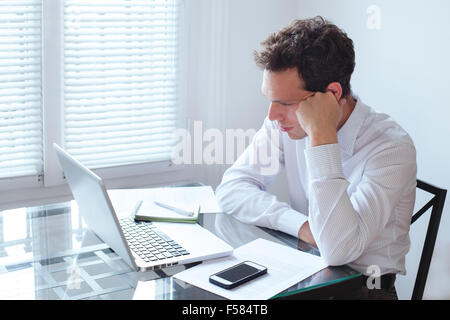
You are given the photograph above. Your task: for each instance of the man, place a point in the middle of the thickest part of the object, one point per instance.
(351, 172)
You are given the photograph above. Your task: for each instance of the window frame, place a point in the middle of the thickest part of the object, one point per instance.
(50, 186)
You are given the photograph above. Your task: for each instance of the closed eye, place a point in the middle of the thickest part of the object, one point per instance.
(287, 104)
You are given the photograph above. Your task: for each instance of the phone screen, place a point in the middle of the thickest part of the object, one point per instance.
(238, 272)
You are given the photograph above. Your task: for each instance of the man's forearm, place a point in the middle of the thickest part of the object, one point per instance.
(246, 202)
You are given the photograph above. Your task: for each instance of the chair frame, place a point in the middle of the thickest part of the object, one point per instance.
(437, 204)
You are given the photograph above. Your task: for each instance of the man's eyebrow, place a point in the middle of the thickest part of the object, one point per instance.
(294, 101)
(285, 101)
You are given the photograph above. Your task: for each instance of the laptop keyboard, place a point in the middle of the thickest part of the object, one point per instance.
(149, 243)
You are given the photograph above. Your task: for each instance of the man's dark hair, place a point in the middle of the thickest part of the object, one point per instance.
(320, 50)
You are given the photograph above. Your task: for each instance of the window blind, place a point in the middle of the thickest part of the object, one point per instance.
(20, 88)
(120, 80)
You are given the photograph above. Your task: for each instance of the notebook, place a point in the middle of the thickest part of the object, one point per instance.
(162, 204)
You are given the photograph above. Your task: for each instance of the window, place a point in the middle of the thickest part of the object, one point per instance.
(101, 78)
(120, 80)
(20, 89)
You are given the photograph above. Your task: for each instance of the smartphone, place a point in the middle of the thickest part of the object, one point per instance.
(237, 274)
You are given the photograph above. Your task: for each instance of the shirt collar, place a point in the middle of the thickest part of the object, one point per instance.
(348, 133)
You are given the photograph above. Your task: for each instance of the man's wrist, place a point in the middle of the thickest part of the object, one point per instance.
(321, 138)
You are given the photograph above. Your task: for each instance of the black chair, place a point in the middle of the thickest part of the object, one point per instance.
(437, 203)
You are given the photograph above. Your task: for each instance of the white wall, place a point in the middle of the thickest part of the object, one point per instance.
(402, 69)
(225, 84)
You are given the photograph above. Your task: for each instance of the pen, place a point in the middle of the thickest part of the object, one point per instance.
(137, 207)
(177, 210)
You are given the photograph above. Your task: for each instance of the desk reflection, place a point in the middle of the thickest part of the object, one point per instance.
(49, 253)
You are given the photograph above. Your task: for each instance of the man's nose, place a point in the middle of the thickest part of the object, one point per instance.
(276, 112)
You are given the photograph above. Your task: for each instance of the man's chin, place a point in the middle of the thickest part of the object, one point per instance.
(296, 135)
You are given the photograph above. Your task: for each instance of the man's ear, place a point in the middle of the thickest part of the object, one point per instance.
(336, 89)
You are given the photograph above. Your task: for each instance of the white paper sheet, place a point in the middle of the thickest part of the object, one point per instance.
(285, 267)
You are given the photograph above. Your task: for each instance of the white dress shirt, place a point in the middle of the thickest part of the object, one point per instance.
(358, 195)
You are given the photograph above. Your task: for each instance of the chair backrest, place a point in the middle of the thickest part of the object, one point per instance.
(437, 205)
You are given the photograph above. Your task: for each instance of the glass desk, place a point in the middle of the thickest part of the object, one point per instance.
(48, 252)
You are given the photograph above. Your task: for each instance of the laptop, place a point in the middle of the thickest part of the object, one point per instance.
(143, 245)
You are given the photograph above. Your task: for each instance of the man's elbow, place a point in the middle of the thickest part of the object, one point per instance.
(340, 255)
(334, 259)
(224, 199)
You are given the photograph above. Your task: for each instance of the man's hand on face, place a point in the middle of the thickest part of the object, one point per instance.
(319, 115)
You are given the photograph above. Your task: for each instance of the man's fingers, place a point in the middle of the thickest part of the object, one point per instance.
(309, 95)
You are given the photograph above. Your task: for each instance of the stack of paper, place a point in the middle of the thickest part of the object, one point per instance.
(285, 267)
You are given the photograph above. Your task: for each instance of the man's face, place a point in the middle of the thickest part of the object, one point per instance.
(285, 90)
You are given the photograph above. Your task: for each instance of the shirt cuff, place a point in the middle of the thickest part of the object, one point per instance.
(324, 161)
(290, 222)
